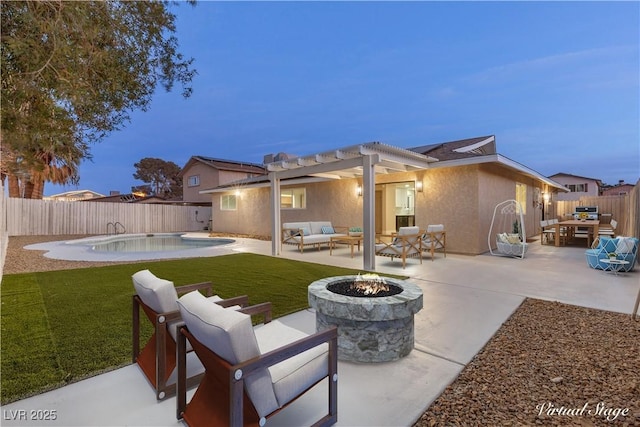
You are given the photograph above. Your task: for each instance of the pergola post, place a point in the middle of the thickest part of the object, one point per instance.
(368, 213)
(276, 243)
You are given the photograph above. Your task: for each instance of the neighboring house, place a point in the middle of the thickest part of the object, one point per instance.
(578, 186)
(618, 189)
(202, 173)
(457, 184)
(74, 196)
(129, 198)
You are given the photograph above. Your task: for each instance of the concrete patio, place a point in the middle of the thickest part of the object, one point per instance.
(466, 300)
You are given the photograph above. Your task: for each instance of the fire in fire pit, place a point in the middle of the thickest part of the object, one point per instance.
(365, 285)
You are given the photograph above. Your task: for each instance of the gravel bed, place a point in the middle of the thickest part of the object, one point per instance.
(550, 364)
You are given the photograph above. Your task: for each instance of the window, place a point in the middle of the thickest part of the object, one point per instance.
(193, 181)
(228, 202)
(293, 198)
(578, 188)
(521, 196)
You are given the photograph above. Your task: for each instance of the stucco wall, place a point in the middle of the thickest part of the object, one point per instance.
(461, 198)
(208, 179)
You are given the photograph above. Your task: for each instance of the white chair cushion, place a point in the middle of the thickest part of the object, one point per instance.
(408, 230)
(292, 376)
(229, 334)
(432, 228)
(625, 245)
(159, 294)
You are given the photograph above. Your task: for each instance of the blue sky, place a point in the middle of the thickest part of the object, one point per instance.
(557, 83)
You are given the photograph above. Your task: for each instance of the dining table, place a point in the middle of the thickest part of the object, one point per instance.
(572, 224)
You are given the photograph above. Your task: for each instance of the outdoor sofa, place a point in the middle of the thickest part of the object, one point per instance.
(311, 233)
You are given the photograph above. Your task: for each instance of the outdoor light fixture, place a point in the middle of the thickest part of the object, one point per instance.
(419, 186)
(359, 190)
(237, 193)
(546, 197)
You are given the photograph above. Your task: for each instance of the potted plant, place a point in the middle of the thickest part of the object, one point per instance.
(583, 216)
(612, 255)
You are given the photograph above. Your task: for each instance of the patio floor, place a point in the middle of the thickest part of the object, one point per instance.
(466, 300)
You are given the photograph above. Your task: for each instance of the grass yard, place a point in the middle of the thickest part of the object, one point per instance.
(62, 326)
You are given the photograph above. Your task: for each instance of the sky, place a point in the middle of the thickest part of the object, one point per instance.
(557, 83)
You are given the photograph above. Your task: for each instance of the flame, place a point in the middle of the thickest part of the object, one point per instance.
(370, 284)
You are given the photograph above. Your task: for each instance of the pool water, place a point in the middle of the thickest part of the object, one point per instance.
(154, 243)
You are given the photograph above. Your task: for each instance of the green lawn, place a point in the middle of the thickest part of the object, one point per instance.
(62, 326)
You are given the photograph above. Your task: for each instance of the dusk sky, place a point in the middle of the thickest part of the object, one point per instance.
(558, 84)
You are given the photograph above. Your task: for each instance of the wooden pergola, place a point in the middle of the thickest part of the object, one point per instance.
(364, 160)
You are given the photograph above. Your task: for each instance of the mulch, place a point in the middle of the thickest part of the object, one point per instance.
(550, 364)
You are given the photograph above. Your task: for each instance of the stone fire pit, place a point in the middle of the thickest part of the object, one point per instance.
(370, 328)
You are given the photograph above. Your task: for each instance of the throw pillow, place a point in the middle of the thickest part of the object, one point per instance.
(327, 229)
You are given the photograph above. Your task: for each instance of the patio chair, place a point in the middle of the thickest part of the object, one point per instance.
(406, 243)
(158, 299)
(625, 248)
(250, 373)
(608, 229)
(435, 238)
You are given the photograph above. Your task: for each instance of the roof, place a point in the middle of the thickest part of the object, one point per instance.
(576, 176)
(460, 149)
(343, 162)
(223, 164)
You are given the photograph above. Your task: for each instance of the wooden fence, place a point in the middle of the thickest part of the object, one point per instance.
(619, 206)
(23, 217)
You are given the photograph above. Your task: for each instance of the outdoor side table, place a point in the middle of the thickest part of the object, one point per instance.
(614, 265)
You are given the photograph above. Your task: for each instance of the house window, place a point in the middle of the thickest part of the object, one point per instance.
(578, 188)
(193, 181)
(293, 198)
(521, 196)
(228, 202)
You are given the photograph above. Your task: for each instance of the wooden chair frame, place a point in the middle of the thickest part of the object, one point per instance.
(157, 359)
(435, 238)
(400, 245)
(221, 399)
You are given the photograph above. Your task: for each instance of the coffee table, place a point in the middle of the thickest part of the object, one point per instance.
(614, 264)
(347, 240)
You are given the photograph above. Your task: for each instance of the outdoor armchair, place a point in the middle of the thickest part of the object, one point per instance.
(435, 238)
(406, 243)
(158, 299)
(250, 373)
(624, 248)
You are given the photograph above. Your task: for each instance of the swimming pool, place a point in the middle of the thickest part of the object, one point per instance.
(139, 247)
(156, 243)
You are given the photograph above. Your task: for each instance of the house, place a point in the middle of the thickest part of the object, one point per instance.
(202, 172)
(579, 186)
(74, 196)
(615, 190)
(380, 187)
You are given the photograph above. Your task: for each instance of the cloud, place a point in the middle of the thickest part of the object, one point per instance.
(577, 61)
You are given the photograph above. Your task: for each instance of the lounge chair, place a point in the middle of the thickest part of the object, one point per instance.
(158, 299)
(406, 243)
(250, 373)
(435, 238)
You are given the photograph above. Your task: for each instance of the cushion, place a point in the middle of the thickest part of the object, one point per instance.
(159, 294)
(625, 245)
(435, 228)
(408, 230)
(306, 232)
(296, 374)
(229, 334)
(316, 226)
(327, 229)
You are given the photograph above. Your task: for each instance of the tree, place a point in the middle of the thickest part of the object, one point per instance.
(71, 73)
(162, 176)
